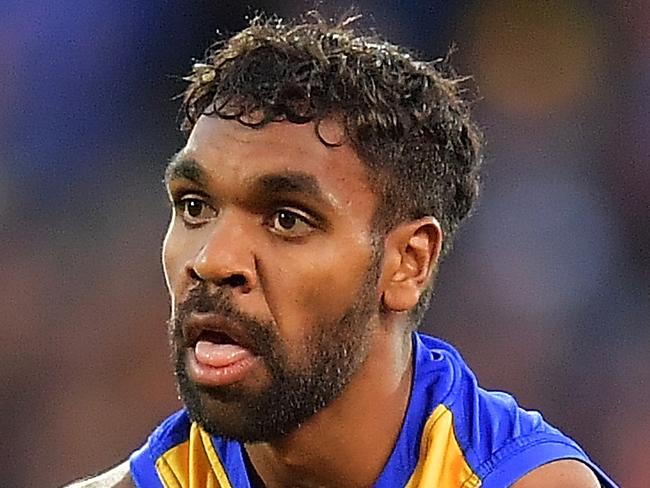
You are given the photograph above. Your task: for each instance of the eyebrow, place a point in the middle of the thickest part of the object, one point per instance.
(298, 187)
(184, 168)
(289, 182)
(269, 185)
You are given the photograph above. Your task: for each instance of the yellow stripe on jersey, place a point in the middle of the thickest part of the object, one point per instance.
(441, 463)
(217, 468)
(192, 464)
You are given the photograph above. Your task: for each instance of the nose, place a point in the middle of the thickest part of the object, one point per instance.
(225, 259)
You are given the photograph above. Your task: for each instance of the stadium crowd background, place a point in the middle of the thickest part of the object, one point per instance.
(547, 294)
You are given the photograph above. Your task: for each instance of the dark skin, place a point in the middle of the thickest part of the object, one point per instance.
(241, 234)
(295, 259)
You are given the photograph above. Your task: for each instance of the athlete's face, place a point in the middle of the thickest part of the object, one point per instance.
(272, 270)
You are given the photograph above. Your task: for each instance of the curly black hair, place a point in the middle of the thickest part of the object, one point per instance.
(407, 119)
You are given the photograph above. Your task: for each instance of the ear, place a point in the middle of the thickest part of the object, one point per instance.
(411, 255)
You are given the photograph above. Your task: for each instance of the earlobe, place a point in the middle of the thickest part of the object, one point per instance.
(410, 259)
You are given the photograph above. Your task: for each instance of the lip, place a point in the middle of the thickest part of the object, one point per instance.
(198, 323)
(211, 376)
(231, 371)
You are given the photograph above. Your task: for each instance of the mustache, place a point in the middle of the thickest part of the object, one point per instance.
(200, 300)
(261, 336)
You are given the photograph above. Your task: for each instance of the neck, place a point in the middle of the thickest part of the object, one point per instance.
(348, 442)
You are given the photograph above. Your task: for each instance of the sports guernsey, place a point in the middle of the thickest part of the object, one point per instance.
(454, 435)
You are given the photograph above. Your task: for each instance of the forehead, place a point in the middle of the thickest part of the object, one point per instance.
(231, 153)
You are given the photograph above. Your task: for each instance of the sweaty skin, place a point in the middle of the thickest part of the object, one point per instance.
(299, 273)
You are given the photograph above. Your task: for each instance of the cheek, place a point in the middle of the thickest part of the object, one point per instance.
(316, 286)
(169, 255)
(174, 257)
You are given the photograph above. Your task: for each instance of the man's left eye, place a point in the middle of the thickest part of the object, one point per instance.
(290, 223)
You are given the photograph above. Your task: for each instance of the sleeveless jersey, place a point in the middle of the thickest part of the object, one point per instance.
(454, 435)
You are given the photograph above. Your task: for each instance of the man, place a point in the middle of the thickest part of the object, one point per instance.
(324, 177)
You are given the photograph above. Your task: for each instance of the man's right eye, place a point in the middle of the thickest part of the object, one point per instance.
(195, 211)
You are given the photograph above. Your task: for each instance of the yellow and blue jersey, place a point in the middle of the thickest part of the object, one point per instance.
(455, 435)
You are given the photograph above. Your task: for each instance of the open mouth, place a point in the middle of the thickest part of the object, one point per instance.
(215, 337)
(216, 357)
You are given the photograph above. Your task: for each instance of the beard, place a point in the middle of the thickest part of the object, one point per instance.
(323, 365)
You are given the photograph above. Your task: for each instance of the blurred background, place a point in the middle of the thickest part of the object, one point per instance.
(547, 294)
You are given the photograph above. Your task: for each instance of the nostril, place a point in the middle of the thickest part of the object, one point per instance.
(194, 275)
(229, 279)
(234, 280)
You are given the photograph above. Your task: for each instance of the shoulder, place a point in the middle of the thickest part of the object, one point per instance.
(485, 422)
(117, 477)
(140, 466)
(565, 473)
(499, 440)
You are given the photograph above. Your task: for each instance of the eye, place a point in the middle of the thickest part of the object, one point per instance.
(290, 223)
(195, 211)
